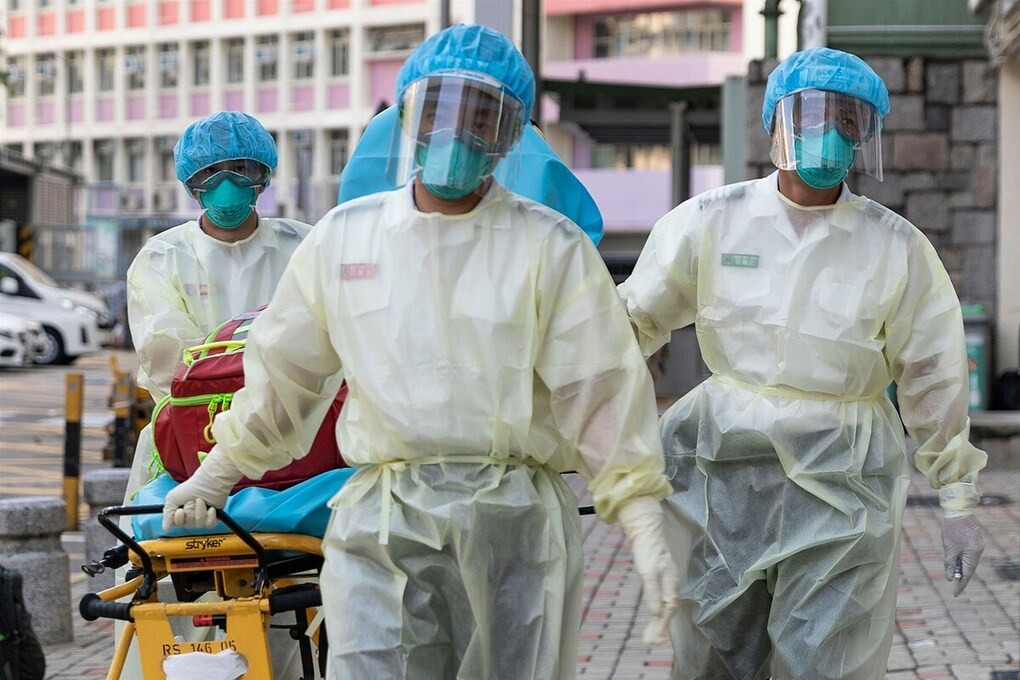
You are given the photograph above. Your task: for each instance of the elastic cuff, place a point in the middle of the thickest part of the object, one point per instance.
(959, 498)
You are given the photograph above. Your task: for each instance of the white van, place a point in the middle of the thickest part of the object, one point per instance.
(72, 320)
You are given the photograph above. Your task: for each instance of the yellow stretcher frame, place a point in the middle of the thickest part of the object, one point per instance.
(249, 596)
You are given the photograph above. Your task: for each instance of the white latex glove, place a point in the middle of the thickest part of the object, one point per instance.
(962, 545)
(643, 522)
(193, 503)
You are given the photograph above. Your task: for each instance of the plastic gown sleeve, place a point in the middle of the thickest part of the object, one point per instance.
(161, 327)
(601, 395)
(661, 293)
(291, 373)
(927, 356)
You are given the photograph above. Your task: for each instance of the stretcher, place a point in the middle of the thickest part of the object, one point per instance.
(230, 579)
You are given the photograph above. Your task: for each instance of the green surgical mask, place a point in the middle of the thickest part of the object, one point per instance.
(451, 169)
(824, 160)
(228, 204)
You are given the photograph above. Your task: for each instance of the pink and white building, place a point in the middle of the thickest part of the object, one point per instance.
(105, 87)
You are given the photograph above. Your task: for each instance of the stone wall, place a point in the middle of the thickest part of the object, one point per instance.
(939, 146)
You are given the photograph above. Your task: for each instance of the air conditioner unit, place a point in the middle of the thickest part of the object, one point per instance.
(134, 63)
(167, 61)
(304, 50)
(45, 69)
(265, 54)
(165, 198)
(15, 74)
(165, 143)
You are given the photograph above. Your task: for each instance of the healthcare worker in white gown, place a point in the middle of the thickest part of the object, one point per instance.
(788, 465)
(486, 352)
(189, 279)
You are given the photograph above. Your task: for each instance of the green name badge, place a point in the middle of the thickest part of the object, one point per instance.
(739, 260)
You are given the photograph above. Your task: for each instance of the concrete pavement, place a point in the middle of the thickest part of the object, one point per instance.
(938, 637)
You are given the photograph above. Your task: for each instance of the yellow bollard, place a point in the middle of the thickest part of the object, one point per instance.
(72, 445)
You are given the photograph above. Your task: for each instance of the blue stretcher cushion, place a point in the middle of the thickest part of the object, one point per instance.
(299, 509)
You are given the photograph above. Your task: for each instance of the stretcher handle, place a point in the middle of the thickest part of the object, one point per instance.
(295, 600)
(93, 607)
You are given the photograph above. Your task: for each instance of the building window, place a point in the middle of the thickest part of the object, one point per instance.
(74, 157)
(136, 161)
(337, 151)
(340, 52)
(16, 78)
(399, 38)
(44, 151)
(235, 60)
(134, 67)
(103, 155)
(166, 168)
(75, 74)
(200, 62)
(106, 66)
(659, 34)
(304, 55)
(167, 62)
(265, 57)
(46, 74)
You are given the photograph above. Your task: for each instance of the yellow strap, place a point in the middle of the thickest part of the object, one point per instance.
(228, 345)
(367, 476)
(792, 393)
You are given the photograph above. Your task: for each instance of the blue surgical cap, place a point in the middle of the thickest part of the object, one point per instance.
(223, 136)
(540, 174)
(823, 68)
(471, 47)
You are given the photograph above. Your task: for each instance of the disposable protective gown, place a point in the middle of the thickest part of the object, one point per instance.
(182, 285)
(788, 464)
(485, 353)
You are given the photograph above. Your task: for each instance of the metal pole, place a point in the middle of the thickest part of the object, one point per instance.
(771, 12)
(531, 48)
(75, 386)
(678, 139)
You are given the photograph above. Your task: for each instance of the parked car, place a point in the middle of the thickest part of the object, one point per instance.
(12, 341)
(72, 321)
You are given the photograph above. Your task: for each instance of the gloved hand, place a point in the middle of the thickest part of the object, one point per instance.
(193, 503)
(643, 522)
(962, 545)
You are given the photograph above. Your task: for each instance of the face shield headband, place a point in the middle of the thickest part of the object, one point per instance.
(822, 135)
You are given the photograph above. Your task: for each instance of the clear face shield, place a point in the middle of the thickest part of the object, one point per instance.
(822, 135)
(454, 128)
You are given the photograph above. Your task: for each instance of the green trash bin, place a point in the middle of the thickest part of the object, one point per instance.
(977, 329)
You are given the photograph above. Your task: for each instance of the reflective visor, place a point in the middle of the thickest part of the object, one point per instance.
(243, 172)
(470, 107)
(802, 119)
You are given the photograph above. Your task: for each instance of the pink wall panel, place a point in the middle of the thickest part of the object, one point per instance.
(104, 109)
(136, 107)
(234, 9)
(106, 18)
(44, 113)
(339, 96)
(16, 27)
(75, 20)
(169, 12)
(267, 100)
(584, 37)
(167, 106)
(302, 5)
(302, 97)
(136, 15)
(200, 10)
(15, 114)
(233, 100)
(559, 7)
(199, 104)
(77, 110)
(267, 7)
(383, 81)
(339, 4)
(46, 24)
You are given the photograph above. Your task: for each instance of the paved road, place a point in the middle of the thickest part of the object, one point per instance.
(974, 637)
